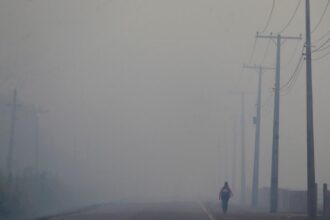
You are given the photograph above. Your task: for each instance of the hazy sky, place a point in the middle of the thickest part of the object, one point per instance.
(142, 96)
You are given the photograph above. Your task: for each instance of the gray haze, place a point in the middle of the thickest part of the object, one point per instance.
(140, 99)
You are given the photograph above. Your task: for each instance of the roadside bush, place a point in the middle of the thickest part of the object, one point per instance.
(30, 195)
(10, 199)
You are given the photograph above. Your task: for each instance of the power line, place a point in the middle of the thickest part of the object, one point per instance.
(292, 17)
(322, 45)
(295, 70)
(293, 54)
(270, 17)
(322, 37)
(321, 18)
(289, 89)
(321, 57)
(294, 80)
(286, 88)
(293, 75)
(322, 49)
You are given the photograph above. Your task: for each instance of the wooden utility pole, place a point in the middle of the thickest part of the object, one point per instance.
(243, 177)
(11, 139)
(234, 156)
(311, 185)
(257, 122)
(37, 111)
(277, 39)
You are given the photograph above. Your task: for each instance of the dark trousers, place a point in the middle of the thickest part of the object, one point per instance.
(225, 205)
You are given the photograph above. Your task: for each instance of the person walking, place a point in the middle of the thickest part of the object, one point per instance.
(224, 195)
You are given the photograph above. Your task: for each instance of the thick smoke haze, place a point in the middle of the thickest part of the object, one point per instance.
(140, 100)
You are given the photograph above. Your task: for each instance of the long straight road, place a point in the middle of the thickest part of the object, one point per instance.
(145, 211)
(167, 211)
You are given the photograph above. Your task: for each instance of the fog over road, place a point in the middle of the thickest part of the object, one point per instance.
(168, 210)
(130, 104)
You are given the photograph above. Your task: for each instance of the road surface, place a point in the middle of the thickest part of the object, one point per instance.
(168, 211)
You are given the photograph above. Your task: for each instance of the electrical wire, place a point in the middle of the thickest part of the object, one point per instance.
(324, 48)
(293, 75)
(286, 88)
(321, 18)
(322, 45)
(270, 17)
(293, 54)
(293, 82)
(322, 37)
(296, 78)
(292, 17)
(321, 57)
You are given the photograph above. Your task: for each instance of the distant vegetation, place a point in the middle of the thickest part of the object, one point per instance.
(31, 195)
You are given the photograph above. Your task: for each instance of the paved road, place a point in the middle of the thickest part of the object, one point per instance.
(169, 211)
(154, 211)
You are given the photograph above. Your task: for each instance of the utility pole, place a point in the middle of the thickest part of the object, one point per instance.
(276, 122)
(243, 180)
(242, 135)
(11, 139)
(311, 185)
(226, 153)
(257, 121)
(234, 146)
(36, 112)
(36, 132)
